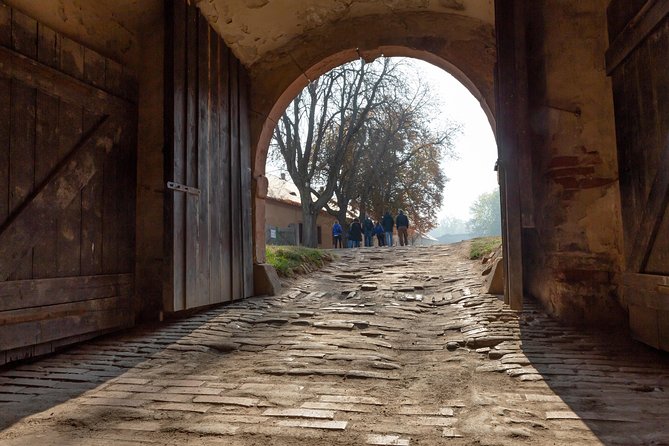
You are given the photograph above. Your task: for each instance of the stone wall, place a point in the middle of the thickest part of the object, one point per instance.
(573, 254)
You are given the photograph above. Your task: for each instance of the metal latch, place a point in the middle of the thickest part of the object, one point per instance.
(183, 188)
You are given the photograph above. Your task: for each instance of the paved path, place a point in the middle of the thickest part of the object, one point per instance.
(383, 347)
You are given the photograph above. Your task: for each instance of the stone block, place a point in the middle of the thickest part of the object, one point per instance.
(227, 400)
(494, 283)
(299, 413)
(315, 424)
(387, 440)
(266, 280)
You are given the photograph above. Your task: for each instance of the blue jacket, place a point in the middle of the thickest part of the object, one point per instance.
(336, 229)
(378, 229)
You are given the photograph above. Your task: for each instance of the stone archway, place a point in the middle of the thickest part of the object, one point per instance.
(462, 46)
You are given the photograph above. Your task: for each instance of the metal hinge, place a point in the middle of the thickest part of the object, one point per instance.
(182, 188)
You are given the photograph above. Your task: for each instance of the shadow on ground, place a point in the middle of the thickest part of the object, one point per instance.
(604, 382)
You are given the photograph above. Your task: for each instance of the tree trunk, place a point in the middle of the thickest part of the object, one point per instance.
(309, 231)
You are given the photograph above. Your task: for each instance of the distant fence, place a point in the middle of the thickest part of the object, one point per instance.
(281, 236)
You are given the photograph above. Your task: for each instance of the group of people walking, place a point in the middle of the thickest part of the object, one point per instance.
(382, 229)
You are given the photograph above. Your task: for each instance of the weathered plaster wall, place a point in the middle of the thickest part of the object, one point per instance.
(254, 28)
(280, 214)
(573, 256)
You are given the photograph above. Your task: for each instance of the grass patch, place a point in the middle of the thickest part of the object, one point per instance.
(291, 260)
(482, 246)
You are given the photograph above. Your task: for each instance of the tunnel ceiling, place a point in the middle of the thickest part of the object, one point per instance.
(254, 28)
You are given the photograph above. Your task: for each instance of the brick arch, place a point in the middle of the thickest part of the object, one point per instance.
(461, 46)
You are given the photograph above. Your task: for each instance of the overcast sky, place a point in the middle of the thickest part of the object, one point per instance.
(472, 174)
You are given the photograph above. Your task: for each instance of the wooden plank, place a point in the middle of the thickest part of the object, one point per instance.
(225, 179)
(5, 130)
(94, 68)
(175, 141)
(91, 216)
(24, 34)
(216, 210)
(235, 183)
(644, 325)
(245, 164)
(5, 25)
(114, 79)
(22, 315)
(619, 13)
(37, 332)
(46, 158)
(658, 78)
(192, 201)
(111, 232)
(650, 15)
(69, 218)
(658, 200)
(66, 87)
(204, 153)
(21, 164)
(72, 58)
(508, 52)
(48, 46)
(40, 292)
(127, 197)
(646, 290)
(25, 228)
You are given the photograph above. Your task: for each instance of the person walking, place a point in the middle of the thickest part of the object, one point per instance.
(336, 234)
(388, 223)
(380, 234)
(368, 227)
(402, 222)
(355, 233)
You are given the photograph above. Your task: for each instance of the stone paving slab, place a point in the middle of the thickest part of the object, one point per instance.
(420, 356)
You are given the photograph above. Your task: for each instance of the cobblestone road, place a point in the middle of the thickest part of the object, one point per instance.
(383, 347)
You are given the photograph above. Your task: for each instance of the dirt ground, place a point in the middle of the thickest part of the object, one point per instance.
(386, 346)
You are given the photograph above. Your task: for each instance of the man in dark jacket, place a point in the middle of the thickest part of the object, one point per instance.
(355, 233)
(368, 227)
(402, 222)
(388, 223)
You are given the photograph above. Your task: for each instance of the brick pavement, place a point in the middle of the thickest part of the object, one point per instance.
(383, 347)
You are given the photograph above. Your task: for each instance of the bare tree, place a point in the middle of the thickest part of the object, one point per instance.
(396, 159)
(315, 135)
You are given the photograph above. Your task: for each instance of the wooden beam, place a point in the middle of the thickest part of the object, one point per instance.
(27, 226)
(56, 83)
(635, 32)
(646, 290)
(651, 218)
(508, 15)
(40, 331)
(21, 294)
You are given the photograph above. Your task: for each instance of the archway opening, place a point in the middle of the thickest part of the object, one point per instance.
(447, 83)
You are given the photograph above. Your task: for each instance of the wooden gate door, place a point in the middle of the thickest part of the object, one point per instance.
(514, 165)
(209, 234)
(67, 188)
(638, 61)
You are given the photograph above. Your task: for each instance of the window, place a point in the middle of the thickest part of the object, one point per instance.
(320, 235)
